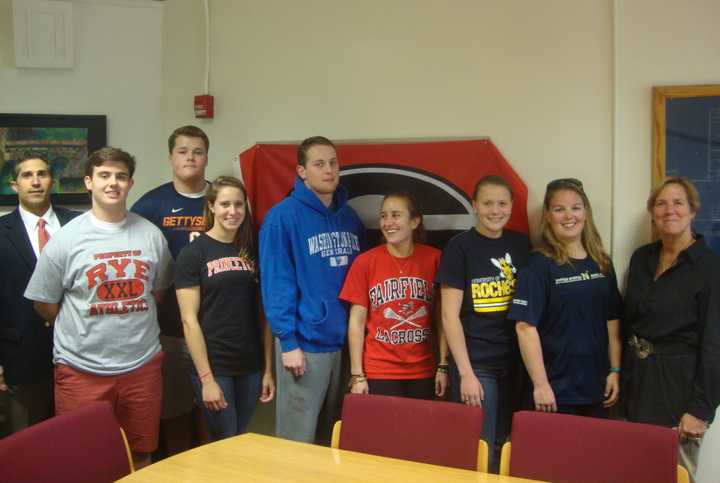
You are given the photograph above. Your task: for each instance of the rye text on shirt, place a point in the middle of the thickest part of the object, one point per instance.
(120, 279)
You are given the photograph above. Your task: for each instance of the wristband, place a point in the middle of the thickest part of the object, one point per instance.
(355, 378)
(203, 376)
(615, 370)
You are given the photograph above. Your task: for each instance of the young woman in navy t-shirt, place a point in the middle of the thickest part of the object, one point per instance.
(477, 276)
(566, 309)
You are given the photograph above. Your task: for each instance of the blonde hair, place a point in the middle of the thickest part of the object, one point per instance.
(691, 192)
(551, 247)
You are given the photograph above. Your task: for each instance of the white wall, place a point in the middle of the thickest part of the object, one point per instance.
(537, 77)
(533, 76)
(658, 43)
(118, 57)
(561, 87)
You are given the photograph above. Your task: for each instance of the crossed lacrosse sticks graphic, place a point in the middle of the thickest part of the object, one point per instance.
(389, 313)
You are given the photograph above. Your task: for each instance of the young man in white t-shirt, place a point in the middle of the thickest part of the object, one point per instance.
(99, 279)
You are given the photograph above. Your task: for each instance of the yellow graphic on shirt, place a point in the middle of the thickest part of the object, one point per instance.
(494, 293)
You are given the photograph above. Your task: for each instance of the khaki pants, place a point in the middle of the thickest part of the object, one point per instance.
(307, 406)
(688, 453)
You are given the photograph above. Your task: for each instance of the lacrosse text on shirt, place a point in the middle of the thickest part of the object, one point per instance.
(407, 317)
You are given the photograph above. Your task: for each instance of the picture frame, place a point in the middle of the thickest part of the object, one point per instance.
(662, 96)
(686, 143)
(64, 140)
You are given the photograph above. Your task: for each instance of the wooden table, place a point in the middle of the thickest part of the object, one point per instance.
(257, 458)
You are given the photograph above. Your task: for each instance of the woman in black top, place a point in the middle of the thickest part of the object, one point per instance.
(217, 290)
(672, 319)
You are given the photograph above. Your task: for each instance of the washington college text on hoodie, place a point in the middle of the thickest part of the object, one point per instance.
(306, 249)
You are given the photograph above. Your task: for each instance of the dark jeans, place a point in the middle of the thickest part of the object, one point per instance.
(27, 404)
(498, 386)
(241, 394)
(414, 388)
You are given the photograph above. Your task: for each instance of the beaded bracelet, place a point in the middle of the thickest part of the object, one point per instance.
(355, 378)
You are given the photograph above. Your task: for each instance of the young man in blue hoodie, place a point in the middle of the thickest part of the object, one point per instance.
(307, 243)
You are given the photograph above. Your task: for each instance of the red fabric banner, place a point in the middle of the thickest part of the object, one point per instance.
(440, 174)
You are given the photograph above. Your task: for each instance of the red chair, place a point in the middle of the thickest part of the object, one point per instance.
(574, 449)
(435, 432)
(85, 445)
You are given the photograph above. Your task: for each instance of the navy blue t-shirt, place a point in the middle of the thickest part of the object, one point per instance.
(485, 269)
(180, 219)
(570, 305)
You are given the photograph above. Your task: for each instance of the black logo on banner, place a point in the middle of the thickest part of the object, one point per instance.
(447, 210)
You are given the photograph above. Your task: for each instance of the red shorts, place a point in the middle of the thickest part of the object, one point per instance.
(136, 397)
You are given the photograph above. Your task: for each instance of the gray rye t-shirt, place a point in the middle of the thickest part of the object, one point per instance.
(102, 275)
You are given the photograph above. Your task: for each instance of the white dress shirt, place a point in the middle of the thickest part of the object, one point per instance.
(30, 220)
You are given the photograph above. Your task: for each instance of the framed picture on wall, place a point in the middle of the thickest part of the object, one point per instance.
(686, 142)
(64, 140)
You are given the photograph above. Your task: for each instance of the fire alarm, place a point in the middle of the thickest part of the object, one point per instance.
(204, 106)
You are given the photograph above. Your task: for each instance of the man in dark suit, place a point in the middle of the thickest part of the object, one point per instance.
(26, 368)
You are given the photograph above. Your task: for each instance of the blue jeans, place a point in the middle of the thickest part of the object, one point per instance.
(497, 407)
(241, 394)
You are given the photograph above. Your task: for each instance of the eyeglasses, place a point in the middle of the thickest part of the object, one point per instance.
(563, 183)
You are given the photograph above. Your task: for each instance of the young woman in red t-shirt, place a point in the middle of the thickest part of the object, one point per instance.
(393, 324)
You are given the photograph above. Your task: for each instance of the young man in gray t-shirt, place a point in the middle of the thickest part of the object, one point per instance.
(98, 278)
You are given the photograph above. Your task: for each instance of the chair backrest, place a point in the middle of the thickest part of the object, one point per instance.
(571, 449)
(435, 432)
(85, 445)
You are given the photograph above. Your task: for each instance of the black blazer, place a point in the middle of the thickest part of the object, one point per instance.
(25, 339)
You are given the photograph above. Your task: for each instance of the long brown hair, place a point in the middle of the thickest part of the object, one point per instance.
(243, 240)
(551, 247)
